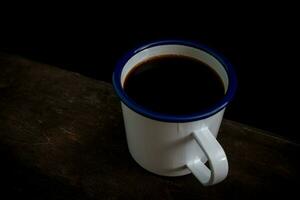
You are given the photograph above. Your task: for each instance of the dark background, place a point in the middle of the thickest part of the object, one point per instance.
(262, 42)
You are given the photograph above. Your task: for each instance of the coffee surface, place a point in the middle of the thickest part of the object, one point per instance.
(174, 84)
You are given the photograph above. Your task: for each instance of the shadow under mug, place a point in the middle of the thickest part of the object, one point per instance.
(172, 145)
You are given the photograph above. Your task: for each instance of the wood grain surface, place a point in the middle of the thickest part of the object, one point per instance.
(62, 137)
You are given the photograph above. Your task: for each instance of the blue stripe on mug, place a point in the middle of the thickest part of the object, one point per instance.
(232, 84)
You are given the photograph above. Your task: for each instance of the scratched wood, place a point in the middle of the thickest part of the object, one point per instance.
(62, 137)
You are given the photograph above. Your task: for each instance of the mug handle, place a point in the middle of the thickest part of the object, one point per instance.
(218, 164)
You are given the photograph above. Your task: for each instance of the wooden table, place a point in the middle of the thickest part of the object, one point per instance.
(62, 137)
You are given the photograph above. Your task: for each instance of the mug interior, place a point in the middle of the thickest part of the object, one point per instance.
(178, 47)
(175, 49)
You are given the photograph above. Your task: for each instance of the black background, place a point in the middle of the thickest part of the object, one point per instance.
(261, 41)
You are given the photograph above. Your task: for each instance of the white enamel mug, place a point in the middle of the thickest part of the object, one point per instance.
(176, 145)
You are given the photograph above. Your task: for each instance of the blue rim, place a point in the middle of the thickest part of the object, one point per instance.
(116, 79)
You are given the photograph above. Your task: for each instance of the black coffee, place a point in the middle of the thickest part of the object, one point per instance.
(174, 84)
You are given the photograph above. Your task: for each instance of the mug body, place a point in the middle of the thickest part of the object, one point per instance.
(164, 148)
